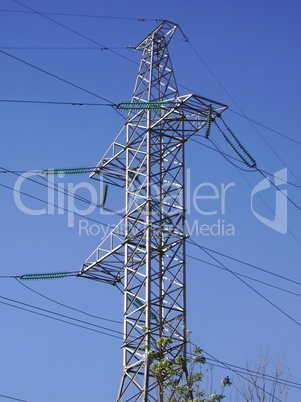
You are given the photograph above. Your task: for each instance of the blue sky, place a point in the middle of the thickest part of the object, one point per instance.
(243, 54)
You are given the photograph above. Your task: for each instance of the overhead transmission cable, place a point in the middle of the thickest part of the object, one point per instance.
(66, 192)
(62, 316)
(279, 276)
(57, 77)
(245, 276)
(248, 264)
(55, 103)
(52, 204)
(82, 15)
(59, 319)
(71, 30)
(66, 306)
(247, 370)
(61, 48)
(266, 127)
(289, 382)
(12, 398)
(246, 283)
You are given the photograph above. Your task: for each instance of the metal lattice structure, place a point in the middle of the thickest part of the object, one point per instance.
(146, 251)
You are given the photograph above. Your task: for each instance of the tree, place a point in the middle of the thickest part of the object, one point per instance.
(180, 379)
(260, 386)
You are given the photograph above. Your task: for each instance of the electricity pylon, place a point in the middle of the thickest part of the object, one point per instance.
(146, 250)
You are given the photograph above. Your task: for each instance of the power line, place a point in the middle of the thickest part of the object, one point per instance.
(205, 250)
(226, 156)
(280, 179)
(60, 315)
(268, 377)
(267, 205)
(245, 276)
(66, 48)
(225, 365)
(71, 30)
(247, 284)
(49, 203)
(247, 370)
(123, 48)
(10, 397)
(55, 76)
(56, 188)
(56, 103)
(65, 305)
(244, 263)
(58, 319)
(82, 15)
(115, 336)
(266, 127)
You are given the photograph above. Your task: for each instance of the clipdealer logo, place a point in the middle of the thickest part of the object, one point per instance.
(206, 199)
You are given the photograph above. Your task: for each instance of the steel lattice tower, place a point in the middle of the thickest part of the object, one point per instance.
(146, 250)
